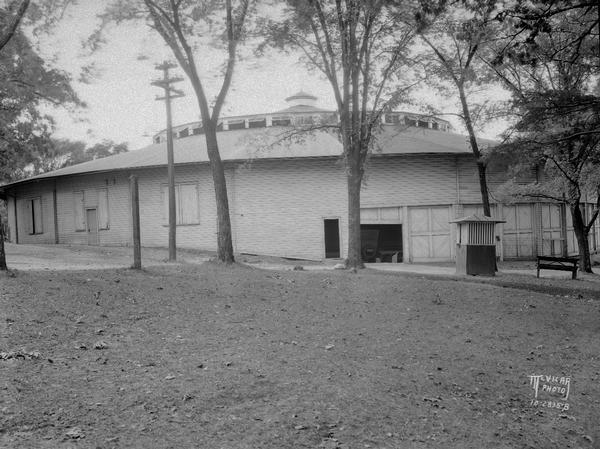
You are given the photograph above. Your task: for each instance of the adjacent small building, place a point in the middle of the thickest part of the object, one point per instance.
(287, 194)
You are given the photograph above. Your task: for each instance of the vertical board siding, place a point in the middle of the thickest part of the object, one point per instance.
(551, 232)
(430, 233)
(518, 231)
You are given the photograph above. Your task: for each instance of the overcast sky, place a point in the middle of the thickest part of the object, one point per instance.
(121, 101)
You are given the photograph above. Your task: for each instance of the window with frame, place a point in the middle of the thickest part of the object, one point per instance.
(79, 210)
(103, 212)
(33, 210)
(187, 211)
(236, 124)
(257, 123)
(281, 121)
(392, 118)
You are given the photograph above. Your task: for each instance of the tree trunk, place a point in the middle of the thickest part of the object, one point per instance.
(224, 240)
(354, 181)
(581, 234)
(3, 266)
(485, 197)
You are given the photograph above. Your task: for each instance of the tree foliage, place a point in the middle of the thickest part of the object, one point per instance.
(26, 82)
(458, 38)
(59, 153)
(527, 23)
(186, 25)
(362, 48)
(552, 73)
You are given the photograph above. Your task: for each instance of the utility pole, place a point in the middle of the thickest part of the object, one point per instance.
(170, 93)
(135, 221)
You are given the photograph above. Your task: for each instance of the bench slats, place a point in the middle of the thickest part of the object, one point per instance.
(557, 263)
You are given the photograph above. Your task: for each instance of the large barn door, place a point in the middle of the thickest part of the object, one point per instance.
(518, 231)
(551, 232)
(430, 233)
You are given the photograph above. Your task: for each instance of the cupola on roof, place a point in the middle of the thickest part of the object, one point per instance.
(301, 98)
(301, 95)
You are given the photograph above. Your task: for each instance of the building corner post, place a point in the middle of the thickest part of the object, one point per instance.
(55, 210)
(135, 215)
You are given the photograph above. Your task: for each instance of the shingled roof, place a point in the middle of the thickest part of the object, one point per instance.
(268, 143)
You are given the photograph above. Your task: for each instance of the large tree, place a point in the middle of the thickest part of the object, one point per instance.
(186, 25)
(457, 37)
(26, 82)
(552, 73)
(361, 48)
(58, 153)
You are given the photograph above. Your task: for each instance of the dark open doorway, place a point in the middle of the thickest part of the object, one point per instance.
(381, 242)
(332, 238)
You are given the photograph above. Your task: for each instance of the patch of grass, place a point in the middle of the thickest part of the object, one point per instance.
(235, 357)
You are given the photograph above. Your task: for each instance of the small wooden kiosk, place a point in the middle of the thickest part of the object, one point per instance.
(476, 245)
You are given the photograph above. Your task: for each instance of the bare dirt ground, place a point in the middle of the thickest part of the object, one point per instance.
(208, 356)
(84, 257)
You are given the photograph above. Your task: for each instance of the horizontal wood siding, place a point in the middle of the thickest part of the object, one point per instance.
(410, 180)
(279, 207)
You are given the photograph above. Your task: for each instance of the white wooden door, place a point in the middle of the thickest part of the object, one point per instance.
(518, 231)
(551, 233)
(430, 237)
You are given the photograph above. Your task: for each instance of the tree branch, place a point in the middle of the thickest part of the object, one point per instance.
(14, 24)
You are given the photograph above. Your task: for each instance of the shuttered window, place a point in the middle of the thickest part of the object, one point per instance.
(103, 216)
(78, 211)
(186, 204)
(33, 216)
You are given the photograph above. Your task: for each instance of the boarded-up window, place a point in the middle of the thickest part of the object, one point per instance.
(37, 216)
(186, 204)
(33, 216)
(281, 121)
(257, 123)
(103, 216)
(237, 124)
(78, 211)
(165, 202)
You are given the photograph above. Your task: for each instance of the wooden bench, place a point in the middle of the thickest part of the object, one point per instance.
(557, 263)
